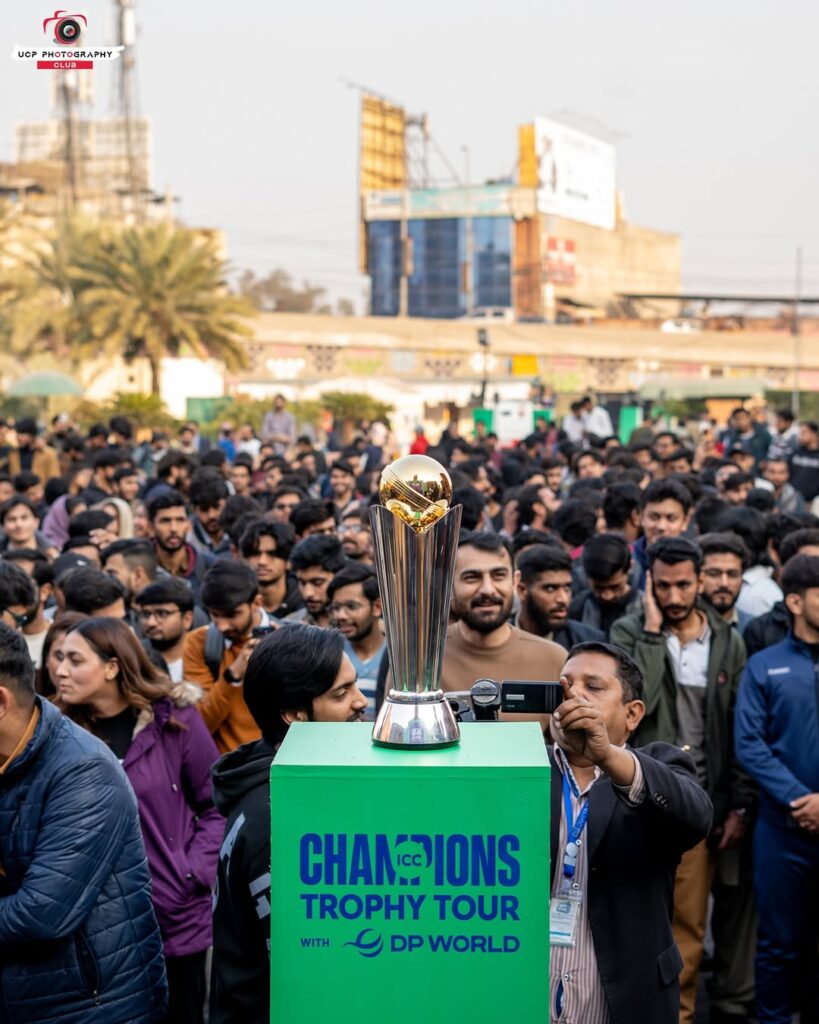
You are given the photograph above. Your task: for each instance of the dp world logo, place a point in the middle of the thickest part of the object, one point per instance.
(368, 943)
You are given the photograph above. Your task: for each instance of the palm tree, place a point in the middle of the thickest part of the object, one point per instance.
(38, 297)
(156, 291)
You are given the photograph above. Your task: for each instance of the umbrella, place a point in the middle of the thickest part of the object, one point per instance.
(44, 385)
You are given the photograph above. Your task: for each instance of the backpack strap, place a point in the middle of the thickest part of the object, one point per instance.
(214, 649)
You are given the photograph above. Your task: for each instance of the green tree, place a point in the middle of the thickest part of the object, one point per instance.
(144, 411)
(242, 409)
(349, 408)
(156, 291)
(38, 313)
(277, 292)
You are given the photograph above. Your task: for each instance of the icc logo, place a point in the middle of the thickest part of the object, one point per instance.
(67, 27)
(411, 858)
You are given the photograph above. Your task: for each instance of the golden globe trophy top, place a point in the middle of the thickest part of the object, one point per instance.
(415, 537)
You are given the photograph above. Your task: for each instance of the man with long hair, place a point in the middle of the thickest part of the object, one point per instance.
(298, 673)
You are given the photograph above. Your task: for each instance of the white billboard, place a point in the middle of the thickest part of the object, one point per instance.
(576, 174)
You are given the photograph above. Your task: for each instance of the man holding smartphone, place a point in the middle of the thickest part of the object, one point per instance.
(621, 820)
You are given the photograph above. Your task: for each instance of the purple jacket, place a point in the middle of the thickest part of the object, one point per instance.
(168, 764)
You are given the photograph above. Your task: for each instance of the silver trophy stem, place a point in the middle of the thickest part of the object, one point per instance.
(415, 572)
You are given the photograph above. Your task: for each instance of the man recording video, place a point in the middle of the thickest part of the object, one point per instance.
(621, 820)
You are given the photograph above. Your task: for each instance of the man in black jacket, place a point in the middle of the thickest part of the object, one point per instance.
(611, 575)
(545, 592)
(297, 673)
(772, 627)
(621, 820)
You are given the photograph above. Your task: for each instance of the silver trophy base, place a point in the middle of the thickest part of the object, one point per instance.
(417, 721)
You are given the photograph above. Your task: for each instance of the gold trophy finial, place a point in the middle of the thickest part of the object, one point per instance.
(417, 490)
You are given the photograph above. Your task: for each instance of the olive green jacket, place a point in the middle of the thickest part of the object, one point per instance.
(727, 784)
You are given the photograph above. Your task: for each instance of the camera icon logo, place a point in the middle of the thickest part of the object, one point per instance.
(67, 28)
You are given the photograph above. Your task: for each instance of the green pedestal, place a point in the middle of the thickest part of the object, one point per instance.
(410, 887)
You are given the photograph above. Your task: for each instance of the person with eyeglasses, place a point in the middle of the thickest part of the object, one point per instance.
(356, 536)
(165, 612)
(725, 558)
(283, 501)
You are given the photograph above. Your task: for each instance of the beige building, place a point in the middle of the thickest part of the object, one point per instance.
(423, 367)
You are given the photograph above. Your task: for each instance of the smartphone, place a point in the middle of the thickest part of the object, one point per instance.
(522, 696)
(260, 631)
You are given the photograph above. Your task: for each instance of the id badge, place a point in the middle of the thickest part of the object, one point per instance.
(563, 914)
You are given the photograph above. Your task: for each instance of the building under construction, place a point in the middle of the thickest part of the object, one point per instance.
(75, 161)
(551, 244)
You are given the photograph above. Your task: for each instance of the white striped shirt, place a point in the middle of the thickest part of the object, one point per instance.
(576, 992)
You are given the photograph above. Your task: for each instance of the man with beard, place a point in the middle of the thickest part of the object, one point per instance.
(266, 547)
(544, 591)
(606, 560)
(356, 535)
(133, 563)
(230, 595)
(165, 613)
(315, 561)
(297, 674)
(208, 495)
(691, 661)
(355, 611)
(724, 559)
(170, 524)
(482, 642)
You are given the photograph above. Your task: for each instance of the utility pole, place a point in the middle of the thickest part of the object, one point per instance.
(67, 99)
(126, 37)
(483, 341)
(795, 330)
(468, 282)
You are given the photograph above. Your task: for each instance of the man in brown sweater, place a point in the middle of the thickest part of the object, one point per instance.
(482, 643)
(230, 594)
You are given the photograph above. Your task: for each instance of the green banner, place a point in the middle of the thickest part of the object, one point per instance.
(410, 887)
(631, 417)
(485, 416)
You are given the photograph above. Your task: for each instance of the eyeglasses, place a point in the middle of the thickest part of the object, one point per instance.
(19, 620)
(714, 574)
(157, 613)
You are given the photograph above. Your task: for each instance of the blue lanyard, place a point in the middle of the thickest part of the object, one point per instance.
(575, 830)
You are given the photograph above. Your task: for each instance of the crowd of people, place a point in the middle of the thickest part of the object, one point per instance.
(169, 606)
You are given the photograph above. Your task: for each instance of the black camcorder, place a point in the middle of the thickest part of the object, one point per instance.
(488, 697)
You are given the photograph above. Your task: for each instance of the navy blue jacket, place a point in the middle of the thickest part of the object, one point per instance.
(776, 730)
(79, 943)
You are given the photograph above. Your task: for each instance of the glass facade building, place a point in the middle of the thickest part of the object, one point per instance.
(438, 248)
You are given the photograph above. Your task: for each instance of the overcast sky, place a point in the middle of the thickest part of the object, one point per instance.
(713, 106)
